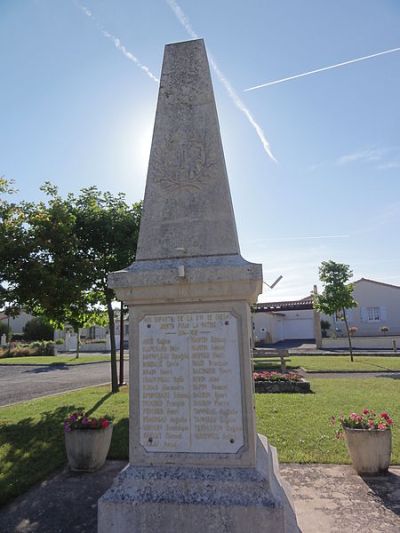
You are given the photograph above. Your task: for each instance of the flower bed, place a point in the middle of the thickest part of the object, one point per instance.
(273, 382)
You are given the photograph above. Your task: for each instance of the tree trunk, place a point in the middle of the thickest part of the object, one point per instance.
(110, 312)
(348, 335)
(78, 342)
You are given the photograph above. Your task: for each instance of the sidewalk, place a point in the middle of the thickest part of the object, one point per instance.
(327, 498)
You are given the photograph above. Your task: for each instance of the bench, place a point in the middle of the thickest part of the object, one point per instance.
(273, 356)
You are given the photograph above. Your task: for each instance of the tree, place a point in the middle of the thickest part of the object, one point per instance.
(68, 248)
(51, 279)
(12, 245)
(337, 292)
(38, 329)
(107, 229)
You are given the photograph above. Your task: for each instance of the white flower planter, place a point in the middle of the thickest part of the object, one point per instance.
(370, 450)
(87, 449)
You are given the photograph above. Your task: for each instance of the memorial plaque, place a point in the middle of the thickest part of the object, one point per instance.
(190, 384)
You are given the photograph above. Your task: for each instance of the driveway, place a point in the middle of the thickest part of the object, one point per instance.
(25, 382)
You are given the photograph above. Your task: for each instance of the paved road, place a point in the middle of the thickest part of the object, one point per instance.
(25, 382)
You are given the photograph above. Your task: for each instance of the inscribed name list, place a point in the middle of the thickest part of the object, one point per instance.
(190, 389)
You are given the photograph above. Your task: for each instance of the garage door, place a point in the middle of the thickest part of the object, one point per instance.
(301, 328)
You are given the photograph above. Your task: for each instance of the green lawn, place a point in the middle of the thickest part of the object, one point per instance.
(31, 433)
(32, 438)
(318, 363)
(54, 360)
(298, 424)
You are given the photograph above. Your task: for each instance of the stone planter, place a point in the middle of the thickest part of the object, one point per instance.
(370, 450)
(282, 386)
(87, 449)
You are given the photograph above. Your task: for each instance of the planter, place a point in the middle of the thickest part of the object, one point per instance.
(281, 386)
(87, 449)
(370, 450)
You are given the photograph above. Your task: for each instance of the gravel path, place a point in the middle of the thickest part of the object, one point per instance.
(24, 382)
(355, 375)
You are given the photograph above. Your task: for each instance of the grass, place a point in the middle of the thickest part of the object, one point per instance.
(335, 363)
(32, 444)
(54, 360)
(32, 438)
(299, 424)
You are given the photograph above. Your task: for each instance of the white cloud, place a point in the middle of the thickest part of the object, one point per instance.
(183, 19)
(316, 71)
(117, 43)
(380, 158)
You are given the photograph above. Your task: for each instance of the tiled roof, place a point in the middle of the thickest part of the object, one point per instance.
(293, 305)
(377, 283)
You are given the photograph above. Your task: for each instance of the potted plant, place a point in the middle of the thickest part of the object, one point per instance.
(353, 330)
(368, 438)
(87, 441)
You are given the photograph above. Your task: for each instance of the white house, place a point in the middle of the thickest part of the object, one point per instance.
(17, 323)
(278, 321)
(378, 307)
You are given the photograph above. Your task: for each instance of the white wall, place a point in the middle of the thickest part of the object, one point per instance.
(274, 327)
(17, 324)
(370, 294)
(363, 343)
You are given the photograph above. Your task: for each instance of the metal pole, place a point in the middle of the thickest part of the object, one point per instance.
(121, 346)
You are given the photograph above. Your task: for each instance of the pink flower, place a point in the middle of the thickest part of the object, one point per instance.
(381, 426)
(389, 421)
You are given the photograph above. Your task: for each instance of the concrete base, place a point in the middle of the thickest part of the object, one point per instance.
(193, 499)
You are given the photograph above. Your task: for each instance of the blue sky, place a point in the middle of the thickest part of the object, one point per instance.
(76, 109)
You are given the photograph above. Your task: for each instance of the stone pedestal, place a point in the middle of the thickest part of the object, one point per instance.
(199, 499)
(196, 463)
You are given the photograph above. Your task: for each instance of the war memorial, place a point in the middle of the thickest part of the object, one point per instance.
(196, 462)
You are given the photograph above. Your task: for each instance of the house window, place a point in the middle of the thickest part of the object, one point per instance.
(374, 314)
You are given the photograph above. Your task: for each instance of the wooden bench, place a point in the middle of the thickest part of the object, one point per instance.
(273, 356)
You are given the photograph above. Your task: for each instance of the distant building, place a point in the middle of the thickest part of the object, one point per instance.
(278, 321)
(17, 324)
(378, 307)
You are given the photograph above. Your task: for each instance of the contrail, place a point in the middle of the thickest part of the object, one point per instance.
(322, 69)
(117, 43)
(180, 15)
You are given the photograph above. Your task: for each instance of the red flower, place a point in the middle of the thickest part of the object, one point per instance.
(366, 412)
(384, 415)
(105, 424)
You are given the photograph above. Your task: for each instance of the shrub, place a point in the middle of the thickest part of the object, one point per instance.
(42, 348)
(45, 348)
(38, 329)
(4, 328)
(325, 325)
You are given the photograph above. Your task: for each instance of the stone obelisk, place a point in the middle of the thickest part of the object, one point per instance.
(196, 463)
